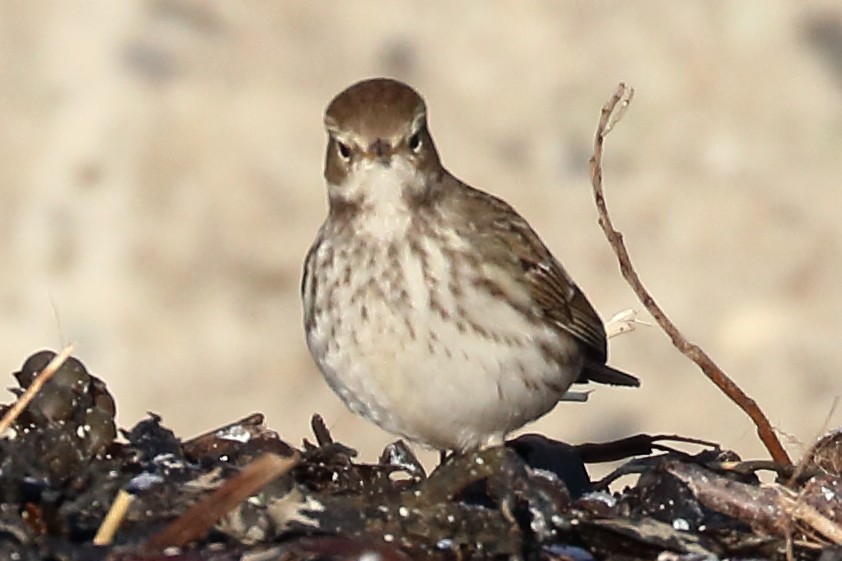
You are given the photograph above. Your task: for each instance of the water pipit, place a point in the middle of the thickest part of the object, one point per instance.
(433, 308)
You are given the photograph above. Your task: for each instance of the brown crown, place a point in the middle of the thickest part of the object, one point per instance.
(375, 108)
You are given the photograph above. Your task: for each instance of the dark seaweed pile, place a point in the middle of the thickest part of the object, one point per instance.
(62, 465)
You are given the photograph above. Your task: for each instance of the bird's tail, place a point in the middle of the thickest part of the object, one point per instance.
(604, 374)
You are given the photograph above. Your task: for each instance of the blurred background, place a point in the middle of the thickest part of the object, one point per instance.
(161, 181)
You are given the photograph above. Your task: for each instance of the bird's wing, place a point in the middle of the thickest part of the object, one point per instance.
(505, 238)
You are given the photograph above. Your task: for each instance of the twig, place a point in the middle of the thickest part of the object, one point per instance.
(771, 509)
(809, 515)
(34, 388)
(609, 117)
(114, 518)
(814, 518)
(809, 454)
(200, 517)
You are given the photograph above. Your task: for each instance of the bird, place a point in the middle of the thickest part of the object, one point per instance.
(432, 308)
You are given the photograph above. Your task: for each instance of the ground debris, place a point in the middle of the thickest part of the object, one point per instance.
(239, 492)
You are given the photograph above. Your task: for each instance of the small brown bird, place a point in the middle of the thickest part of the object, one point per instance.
(433, 308)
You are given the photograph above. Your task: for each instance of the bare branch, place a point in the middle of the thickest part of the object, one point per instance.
(611, 113)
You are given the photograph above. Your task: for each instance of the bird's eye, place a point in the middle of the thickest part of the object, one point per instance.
(344, 150)
(415, 142)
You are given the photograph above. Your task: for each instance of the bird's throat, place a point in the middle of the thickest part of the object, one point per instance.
(382, 197)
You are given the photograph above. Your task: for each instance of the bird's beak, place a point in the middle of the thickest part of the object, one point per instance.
(380, 151)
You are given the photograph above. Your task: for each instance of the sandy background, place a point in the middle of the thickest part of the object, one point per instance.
(160, 182)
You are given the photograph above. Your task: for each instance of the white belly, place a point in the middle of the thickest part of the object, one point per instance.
(442, 363)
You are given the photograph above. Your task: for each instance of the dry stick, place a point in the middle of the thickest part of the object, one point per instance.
(798, 510)
(609, 117)
(807, 456)
(34, 388)
(806, 459)
(771, 509)
(200, 517)
(112, 521)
